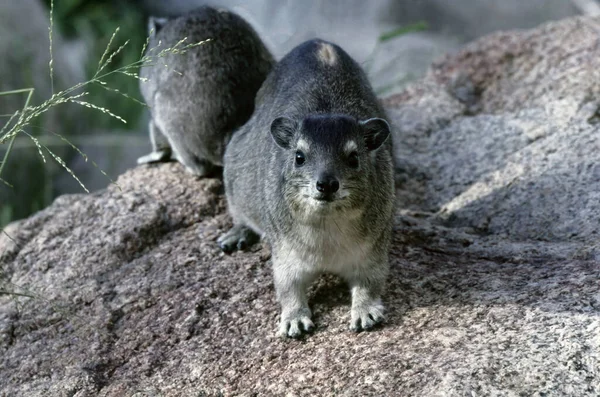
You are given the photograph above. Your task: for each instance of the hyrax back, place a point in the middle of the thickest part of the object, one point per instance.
(312, 173)
(199, 97)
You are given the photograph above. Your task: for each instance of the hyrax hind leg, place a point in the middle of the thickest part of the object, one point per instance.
(239, 237)
(161, 150)
(190, 161)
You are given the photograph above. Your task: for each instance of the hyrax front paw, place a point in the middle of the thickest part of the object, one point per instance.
(365, 316)
(238, 237)
(295, 323)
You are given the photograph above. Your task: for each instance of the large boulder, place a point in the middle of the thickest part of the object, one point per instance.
(494, 285)
(505, 137)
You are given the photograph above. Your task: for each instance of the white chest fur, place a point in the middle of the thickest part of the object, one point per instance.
(333, 245)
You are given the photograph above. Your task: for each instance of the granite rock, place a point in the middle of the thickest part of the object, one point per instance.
(494, 266)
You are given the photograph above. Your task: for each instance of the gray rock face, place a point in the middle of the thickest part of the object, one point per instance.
(494, 268)
(510, 144)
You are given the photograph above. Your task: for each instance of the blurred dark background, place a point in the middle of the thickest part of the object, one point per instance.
(82, 28)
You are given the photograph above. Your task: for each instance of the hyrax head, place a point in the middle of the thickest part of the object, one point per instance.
(328, 160)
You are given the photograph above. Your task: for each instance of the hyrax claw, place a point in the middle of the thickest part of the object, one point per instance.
(294, 326)
(366, 318)
(239, 238)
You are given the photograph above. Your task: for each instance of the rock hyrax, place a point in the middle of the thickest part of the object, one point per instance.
(199, 97)
(312, 173)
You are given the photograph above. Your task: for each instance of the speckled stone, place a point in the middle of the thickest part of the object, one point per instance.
(494, 287)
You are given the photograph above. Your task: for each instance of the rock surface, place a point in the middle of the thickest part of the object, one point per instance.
(494, 288)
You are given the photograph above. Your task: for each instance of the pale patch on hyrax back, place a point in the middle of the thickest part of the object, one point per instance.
(302, 145)
(350, 146)
(327, 54)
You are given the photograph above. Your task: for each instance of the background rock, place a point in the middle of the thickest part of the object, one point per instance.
(357, 25)
(494, 267)
(82, 29)
(510, 144)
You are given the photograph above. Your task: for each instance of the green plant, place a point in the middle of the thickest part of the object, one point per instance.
(5, 214)
(84, 27)
(93, 22)
(20, 120)
(402, 30)
(387, 36)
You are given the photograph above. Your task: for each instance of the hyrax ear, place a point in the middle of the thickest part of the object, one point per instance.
(282, 131)
(376, 132)
(155, 24)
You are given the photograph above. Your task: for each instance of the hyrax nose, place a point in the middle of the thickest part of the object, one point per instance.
(328, 185)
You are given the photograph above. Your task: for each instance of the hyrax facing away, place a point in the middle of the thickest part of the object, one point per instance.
(312, 173)
(199, 97)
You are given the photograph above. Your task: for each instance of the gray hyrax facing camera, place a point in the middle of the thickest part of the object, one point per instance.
(312, 173)
(198, 98)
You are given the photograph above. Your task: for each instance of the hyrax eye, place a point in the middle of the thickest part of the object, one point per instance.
(300, 159)
(353, 160)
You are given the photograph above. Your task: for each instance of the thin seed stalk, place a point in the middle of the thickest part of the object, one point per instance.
(50, 31)
(12, 141)
(5, 159)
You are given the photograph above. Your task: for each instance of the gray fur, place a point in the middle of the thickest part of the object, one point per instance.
(199, 98)
(325, 106)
